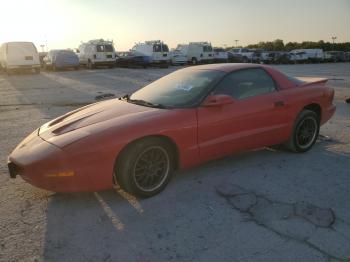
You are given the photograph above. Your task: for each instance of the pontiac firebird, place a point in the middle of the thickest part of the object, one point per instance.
(183, 119)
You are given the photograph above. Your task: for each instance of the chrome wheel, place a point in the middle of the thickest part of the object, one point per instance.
(151, 168)
(306, 132)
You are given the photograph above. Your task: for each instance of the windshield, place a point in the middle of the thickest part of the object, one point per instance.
(207, 48)
(158, 48)
(104, 48)
(183, 88)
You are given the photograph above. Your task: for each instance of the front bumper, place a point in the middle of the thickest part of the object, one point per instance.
(46, 166)
(13, 169)
(23, 66)
(104, 63)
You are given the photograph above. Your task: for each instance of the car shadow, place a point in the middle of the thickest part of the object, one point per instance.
(184, 222)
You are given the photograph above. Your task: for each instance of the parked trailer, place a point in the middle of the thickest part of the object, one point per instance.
(335, 56)
(197, 52)
(97, 52)
(307, 55)
(245, 55)
(156, 49)
(19, 55)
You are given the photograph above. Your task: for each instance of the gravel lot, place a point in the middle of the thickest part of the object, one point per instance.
(265, 205)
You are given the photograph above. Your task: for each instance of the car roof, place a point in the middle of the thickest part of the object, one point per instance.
(227, 67)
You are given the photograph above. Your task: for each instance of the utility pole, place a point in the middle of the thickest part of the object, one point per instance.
(42, 47)
(333, 38)
(236, 42)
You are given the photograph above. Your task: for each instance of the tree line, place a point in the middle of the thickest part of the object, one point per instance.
(278, 45)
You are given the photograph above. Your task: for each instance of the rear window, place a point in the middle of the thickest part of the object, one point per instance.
(104, 48)
(15, 47)
(67, 52)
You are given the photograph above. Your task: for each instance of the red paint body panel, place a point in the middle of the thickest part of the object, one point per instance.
(88, 140)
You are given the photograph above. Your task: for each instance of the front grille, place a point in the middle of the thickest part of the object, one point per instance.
(28, 58)
(109, 56)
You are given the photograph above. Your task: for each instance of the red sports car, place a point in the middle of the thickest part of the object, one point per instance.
(181, 120)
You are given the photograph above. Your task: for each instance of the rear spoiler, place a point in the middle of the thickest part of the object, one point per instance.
(312, 80)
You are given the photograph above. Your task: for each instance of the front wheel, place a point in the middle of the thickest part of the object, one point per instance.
(145, 167)
(305, 132)
(90, 65)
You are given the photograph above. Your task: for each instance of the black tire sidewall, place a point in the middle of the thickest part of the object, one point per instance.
(294, 145)
(125, 166)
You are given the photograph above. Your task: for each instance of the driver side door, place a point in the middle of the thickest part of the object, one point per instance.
(256, 118)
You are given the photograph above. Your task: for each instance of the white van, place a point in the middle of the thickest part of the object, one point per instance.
(220, 55)
(19, 55)
(306, 55)
(197, 52)
(157, 50)
(97, 52)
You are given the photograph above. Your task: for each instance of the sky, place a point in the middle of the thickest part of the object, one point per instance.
(67, 23)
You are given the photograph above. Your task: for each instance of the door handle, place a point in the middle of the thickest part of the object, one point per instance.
(279, 103)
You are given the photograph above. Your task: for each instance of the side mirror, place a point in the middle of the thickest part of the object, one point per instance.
(217, 100)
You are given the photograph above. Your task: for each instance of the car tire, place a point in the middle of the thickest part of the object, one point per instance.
(90, 65)
(145, 167)
(194, 61)
(77, 68)
(305, 132)
(37, 70)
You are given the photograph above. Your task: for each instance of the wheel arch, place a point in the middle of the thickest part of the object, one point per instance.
(315, 108)
(167, 139)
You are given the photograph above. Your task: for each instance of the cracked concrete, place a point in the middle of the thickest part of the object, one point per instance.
(300, 221)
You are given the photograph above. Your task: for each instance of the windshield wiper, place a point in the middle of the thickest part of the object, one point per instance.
(125, 97)
(146, 103)
(142, 102)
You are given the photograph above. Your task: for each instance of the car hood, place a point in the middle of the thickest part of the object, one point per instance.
(91, 114)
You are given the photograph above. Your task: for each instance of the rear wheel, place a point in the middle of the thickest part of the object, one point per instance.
(145, 167)
(90, 65)
(194, 61)
(305, 132)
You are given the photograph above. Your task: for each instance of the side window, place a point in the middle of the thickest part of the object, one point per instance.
(246, 83)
